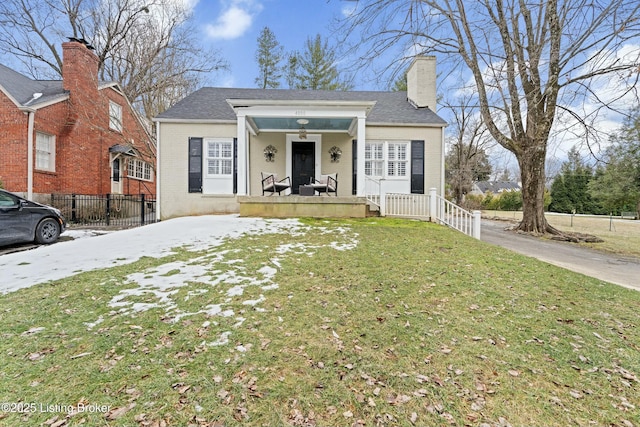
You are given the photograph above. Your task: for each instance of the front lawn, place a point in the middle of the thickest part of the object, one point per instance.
(360, 322)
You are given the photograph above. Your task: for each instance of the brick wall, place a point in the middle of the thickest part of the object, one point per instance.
(80, 125)
(13, 146)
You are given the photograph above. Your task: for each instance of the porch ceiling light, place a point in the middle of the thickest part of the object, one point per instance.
(302, 133)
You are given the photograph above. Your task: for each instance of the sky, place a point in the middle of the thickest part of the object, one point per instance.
(233, 27)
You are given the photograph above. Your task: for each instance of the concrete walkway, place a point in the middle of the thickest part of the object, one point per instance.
(623, 271)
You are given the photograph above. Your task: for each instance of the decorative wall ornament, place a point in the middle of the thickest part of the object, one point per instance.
(302, 133)
(335, 154)
(270, 153)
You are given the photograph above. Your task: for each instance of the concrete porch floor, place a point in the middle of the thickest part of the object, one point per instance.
(303, 206)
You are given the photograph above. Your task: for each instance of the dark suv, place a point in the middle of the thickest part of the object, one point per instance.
(22, 220)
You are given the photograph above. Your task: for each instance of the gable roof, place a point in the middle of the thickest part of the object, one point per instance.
(496, 187)
(210, 104)
(22, 89)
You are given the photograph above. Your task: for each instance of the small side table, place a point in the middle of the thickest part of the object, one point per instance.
(306, 190)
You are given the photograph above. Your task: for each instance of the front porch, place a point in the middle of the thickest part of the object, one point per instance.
(428, 207)
(304, 206)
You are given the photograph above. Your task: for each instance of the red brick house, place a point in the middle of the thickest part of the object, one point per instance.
(75, 135)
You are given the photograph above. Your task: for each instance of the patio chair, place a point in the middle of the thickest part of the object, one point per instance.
(326, 184)
(270, 183)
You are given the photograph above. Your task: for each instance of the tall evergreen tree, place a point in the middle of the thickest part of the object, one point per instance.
(317, 67)
(268, 56)
(400, 84)
(570, 190)
(291, 69)
(618, 182)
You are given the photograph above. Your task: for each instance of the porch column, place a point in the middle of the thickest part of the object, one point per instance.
(361, 141)
(242, 154)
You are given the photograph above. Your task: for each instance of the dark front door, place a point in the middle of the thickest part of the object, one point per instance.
(116, 170)
(303, 164)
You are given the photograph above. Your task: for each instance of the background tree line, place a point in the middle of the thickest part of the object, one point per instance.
(610, 186)
(314, 68)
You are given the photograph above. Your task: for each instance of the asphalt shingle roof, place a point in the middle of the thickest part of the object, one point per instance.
(210, 103)
(497, 186)
(22, 88)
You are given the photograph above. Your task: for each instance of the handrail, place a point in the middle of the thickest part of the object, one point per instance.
(372, 190)
(432, 207)
(457, 218)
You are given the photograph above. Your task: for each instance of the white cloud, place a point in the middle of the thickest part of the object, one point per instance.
(235, 20)
(348, 10)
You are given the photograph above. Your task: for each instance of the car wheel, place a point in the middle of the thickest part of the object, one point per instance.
(47, 231)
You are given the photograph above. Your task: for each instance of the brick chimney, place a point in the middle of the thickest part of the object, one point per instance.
(421, 82)
(79, 68)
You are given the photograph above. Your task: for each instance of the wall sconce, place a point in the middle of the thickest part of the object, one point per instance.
(270, 153)
(335, 154)
(302, 133)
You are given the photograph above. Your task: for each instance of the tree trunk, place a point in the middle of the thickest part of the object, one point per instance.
(532, 173)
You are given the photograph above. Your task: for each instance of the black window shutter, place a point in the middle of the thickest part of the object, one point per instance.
(354, 159)
(235, 165)
(195, 165)
(417, 167)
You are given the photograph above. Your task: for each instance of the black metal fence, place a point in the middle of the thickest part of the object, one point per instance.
(115, 210)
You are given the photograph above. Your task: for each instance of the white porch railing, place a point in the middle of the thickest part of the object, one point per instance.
(454, 216)
(430, 206)
(372, 191)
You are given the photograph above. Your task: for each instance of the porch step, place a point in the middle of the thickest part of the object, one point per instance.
(372, 210)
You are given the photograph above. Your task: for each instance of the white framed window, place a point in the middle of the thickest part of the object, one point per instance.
(386, 159)
(45, 152)
(139, 169)
(146, 173)
(374, 159)
(397, 159)
(115, 116)
(219, 158)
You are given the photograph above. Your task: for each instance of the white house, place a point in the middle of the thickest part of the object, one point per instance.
(215, 146)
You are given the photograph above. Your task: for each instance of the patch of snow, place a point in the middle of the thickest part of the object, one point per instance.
(91, 325)
(67, 258)
(156, 288)
(260, 299)
(223, 340)
(235, 291)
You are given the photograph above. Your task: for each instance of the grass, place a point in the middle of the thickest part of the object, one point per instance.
(621, 236)
(416, 324)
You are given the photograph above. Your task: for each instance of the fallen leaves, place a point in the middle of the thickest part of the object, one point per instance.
(40, 354)
(116, 413)
(32, 331)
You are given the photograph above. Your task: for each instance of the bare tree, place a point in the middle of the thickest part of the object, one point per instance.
(146, 46)
(468, 141)
(530, 60)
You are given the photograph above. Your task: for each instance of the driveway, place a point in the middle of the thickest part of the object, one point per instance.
(623, 271)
